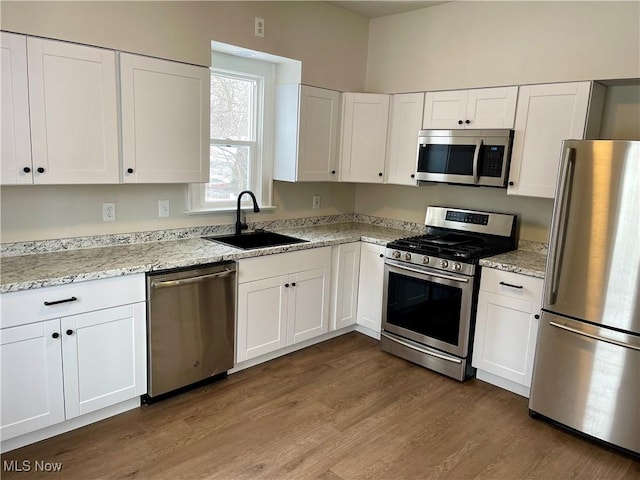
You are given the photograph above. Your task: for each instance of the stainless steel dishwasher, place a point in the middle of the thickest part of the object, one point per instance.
(190, 326)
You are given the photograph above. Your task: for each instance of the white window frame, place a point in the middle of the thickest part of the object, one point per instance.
(261, 169)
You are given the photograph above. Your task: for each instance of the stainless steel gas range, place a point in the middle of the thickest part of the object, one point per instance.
(431, 286)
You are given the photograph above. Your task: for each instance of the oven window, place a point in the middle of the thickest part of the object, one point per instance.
(424, 307)
(451, 159)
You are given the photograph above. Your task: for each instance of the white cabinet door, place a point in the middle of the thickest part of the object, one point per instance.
(547, 115)
(505, 338)
(364, 137)
(445, 109)
(165, 121)
(32, 387)
(344, 289)
(74, 113)
(405, 121)
(104, 358)
(15, 156)
(370, 286)
(262, 317)
(318, 134)
(478, 108)
(308, 314)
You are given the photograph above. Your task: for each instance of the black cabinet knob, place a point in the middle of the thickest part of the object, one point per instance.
(467, 122)
(40, 170)
(511, 184)
(69, 332)
(333, 172)
(293, 284)
(459, 122)
(413, 175)
(380, 174)
(55, 334)
(26, 169)
(129, 170)
(537, 317)
(381, 255)
(286, 285)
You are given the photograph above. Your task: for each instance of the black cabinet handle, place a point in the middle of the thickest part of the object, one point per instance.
(26, 170)
(511, 184)
(459, 122)
(536, 316)
(69, 332)
(511, 285)
(380, 174)
(413, 175)
(286, 285)
(129, 170)
(293, 284)
(467, 122)
(333, 172)
(56, 302)
(40, 170)
(381, 255)
(55, 334)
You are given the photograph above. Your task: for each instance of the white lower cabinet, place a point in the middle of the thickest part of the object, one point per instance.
(61, 368)
(506, 329)
(282, 300)
(370, 286)
(344, 287)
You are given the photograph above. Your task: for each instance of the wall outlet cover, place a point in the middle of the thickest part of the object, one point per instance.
(108, 212)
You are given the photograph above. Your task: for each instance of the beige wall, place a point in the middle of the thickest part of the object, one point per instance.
(483, 44)
(330, 42)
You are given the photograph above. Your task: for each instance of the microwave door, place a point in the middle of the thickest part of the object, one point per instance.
(447, 160)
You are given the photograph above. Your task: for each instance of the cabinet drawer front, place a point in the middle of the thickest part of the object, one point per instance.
(28, 306)
(511, 284)
(283, 264)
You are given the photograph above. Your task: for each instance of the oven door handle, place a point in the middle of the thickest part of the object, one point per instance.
(401, 266)
(426, 352)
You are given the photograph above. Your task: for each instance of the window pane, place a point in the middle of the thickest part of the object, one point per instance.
(232, 105)
(229, 172)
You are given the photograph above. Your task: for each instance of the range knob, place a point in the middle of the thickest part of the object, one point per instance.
(425, 260)
(407, 256)
(444, 263)
(457, 267)
(396, 254)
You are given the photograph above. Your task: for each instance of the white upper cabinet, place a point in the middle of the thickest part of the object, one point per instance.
(364, 137)
(405, 121)
(547, 115)
(306, 133)
(14, 100)
(74, 113)
(479, 108)
(165, 121)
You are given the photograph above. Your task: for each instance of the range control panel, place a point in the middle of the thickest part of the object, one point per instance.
(466, 217)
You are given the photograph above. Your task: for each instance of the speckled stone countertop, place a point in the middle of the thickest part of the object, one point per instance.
(56, 268)
(530, 259)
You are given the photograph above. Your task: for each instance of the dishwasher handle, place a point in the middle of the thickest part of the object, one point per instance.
(190, 280)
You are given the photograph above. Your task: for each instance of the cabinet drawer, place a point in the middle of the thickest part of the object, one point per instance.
(283, 264)
(28, 306)
(511, 284)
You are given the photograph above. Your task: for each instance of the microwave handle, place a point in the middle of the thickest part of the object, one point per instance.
(476, 154)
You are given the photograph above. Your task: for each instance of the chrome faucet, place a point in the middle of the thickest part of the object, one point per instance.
(240, 225)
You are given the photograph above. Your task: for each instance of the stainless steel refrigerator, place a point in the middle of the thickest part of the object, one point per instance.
(587, 365)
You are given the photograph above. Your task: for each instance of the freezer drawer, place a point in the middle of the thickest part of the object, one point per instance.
(587, 383)
(191, 326)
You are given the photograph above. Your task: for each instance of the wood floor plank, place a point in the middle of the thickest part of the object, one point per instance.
(339, 410)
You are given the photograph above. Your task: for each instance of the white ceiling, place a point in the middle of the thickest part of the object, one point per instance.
(381, 8)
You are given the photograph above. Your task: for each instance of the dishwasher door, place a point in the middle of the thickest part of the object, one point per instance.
(191, 325)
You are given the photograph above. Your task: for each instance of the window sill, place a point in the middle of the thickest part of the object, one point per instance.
(227, 210)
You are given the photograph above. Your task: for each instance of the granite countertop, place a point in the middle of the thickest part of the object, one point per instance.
(525, 262)
(56, 268)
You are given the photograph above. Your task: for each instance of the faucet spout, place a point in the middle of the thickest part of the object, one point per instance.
(240, 225)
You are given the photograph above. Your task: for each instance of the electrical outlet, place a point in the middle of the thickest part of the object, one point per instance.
(316, 202)
(108, 212)
(259, 30)
(163, 208)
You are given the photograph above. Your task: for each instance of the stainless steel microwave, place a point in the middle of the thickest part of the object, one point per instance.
(467, 157)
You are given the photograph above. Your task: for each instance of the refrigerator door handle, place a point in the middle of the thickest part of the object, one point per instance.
(595, 336)
(559, 226)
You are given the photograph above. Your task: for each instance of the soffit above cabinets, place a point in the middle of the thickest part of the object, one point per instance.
(383, 8)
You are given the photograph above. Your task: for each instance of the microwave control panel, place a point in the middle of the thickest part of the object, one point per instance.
(492, 158)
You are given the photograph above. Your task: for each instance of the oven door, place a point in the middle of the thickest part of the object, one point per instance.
(428, 306)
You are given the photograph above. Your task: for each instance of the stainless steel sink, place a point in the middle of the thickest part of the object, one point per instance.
(257, 239)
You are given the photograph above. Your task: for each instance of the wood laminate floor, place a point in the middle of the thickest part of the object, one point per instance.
(338, 410)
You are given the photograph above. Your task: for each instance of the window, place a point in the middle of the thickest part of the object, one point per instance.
(241, 134)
